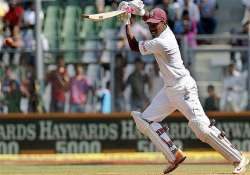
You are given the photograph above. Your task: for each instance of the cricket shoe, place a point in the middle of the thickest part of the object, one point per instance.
(241, 166)
(180, 157)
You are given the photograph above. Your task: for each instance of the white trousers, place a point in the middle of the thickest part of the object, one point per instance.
(183, 97)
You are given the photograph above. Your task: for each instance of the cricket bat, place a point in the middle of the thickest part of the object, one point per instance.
(103, 16)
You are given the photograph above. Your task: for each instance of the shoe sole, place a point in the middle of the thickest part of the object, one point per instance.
(177, 164)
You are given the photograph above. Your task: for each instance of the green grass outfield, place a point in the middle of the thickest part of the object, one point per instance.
(197, 163)
(185, 169)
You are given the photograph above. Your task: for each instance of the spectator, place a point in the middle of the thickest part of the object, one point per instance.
(1, 71)
(208, 20)
(13, 97)
(188, 28)
(45, 42)
(33, 105)
(28, 32)
(1, 92)
(119, 83)
(149, 3)
(25, 70)
(59, 85)
(240, 42)
(156, 81)
(2, 101)
(14, 16)
(137, 80)
(13, 42)
(246, 17)
(28, 78)
(24, 103)
(79, 87)
(192, 8)
(8, 77)
(1, 35)
(112, 2)
(234, 97)
(104, 95)
(212, 101)
(170, 10)
(100, 5)
(4, 8)
(29, 16)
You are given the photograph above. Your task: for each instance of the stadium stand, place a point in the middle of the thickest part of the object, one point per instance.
(229, 15)
(91, 43)
(70, 33)
(52, 26)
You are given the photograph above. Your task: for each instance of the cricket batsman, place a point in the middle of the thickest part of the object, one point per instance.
(179, 93)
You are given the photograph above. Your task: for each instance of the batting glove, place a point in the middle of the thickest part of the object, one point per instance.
(123, 6)
(135, 7)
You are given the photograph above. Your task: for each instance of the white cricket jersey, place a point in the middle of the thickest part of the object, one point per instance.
(167, 54)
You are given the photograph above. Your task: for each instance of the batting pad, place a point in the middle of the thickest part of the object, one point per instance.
(216, 139)
(160, 142)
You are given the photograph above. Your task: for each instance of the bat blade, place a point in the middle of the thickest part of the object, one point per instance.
(102, 16)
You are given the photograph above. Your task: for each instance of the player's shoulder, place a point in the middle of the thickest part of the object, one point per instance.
(157, 40)
(160, 41)
(152, 42)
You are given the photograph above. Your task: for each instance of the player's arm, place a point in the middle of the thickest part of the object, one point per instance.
(144, 47)
(11, 42)
(133, 43)
(136, 7)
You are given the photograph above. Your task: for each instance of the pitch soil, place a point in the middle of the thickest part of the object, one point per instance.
(185, 169)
